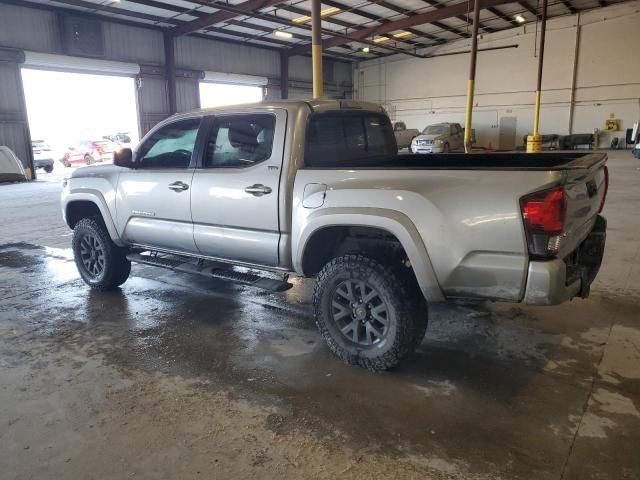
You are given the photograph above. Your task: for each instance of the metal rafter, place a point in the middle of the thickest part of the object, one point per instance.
(402, 24)
(370, 16)
(524, 4)
(330, 19)
(332, 33)
(435, 4)
(504, 17)
(248, 7)
(570, 7)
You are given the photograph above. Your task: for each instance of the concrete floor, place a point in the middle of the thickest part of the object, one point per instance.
(179, 377)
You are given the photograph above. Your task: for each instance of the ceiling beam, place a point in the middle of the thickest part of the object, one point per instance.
(303, 26)
(524, 4)
(569, 6)
(247, 8)
(362, 13)
(464, 18)
(504, 17)
(401, 24)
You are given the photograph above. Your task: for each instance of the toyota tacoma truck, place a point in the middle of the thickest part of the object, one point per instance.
(256, 193)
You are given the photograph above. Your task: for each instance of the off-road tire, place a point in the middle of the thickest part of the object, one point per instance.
(116, 267)
(405, 304)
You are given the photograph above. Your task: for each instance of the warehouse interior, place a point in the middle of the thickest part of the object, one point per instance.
(173, 375)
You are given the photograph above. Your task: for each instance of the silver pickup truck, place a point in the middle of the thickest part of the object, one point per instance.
(255, 193)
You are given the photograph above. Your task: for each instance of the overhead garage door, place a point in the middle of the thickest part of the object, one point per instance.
(14, 127)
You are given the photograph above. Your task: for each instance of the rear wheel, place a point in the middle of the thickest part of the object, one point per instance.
(368, 313)
(48, 168)
(101, 263)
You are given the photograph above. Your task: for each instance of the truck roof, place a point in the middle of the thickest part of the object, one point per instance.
(316, 105)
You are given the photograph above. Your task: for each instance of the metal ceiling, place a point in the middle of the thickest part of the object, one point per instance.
(349, 26)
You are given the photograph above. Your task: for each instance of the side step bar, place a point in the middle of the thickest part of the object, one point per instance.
(208, 268)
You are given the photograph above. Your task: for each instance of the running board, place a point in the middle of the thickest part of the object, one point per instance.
(208, 268)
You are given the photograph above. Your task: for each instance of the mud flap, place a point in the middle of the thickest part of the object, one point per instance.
(589, 255)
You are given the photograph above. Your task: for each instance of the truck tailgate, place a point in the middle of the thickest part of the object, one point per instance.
(586, 189)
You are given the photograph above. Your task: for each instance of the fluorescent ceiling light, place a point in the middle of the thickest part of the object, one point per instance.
(519, 18)
(402, 34)
(380, 39)
(324, 13)
(365, 50)
(282, 34)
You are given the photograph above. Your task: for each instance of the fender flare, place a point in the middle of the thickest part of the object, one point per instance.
(95, 197)
(392, 221)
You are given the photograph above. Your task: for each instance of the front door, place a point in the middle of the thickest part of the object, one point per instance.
(153, 203)
(235, 192)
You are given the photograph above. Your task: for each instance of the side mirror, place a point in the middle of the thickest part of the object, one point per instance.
(123, 158)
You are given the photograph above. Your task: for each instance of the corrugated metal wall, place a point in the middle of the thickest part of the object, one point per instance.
(201, 54)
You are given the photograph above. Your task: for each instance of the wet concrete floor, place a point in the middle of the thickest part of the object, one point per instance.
(176, 376)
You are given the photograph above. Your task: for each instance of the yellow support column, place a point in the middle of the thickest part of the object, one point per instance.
(534, 142)
(472, 77)
(316, 49)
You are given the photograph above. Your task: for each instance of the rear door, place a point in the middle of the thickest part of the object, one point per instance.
(236, 189)
(153, 203)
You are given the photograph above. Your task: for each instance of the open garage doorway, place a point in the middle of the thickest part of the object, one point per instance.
(220, 94)
(79, 118)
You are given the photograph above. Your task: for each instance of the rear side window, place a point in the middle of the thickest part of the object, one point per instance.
(171, 146)
(338, 137)
(240, 140)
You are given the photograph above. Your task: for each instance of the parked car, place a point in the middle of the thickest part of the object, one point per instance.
(289, 188)
(42, 155)
(439, 138)
(122, 140)
(404, 135)
(88, 152)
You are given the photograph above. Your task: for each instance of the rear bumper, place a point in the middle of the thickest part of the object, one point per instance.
(555, 281)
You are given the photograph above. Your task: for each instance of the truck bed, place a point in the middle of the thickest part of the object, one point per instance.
(473, 161)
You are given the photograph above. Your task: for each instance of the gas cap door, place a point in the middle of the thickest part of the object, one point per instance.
(314, 194)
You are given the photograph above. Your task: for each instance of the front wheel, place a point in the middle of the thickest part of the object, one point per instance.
(369, 314)
(446, 148)
(48, 168)
(88, 159)
(101, 263)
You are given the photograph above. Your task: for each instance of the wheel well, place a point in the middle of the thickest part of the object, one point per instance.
(331, 242)
(80, 209)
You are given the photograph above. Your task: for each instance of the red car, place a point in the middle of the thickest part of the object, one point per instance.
(88, 152)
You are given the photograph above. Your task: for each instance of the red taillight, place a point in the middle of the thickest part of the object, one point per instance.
(606, 188)
(544, 215)
(545, 211)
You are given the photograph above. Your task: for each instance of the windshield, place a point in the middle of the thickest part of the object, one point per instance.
(436, 130)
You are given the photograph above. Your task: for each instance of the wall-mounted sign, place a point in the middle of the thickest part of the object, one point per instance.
(612, 125)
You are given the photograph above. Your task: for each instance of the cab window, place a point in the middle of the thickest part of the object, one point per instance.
(239, 141)
(336, 137)
(171, 146)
